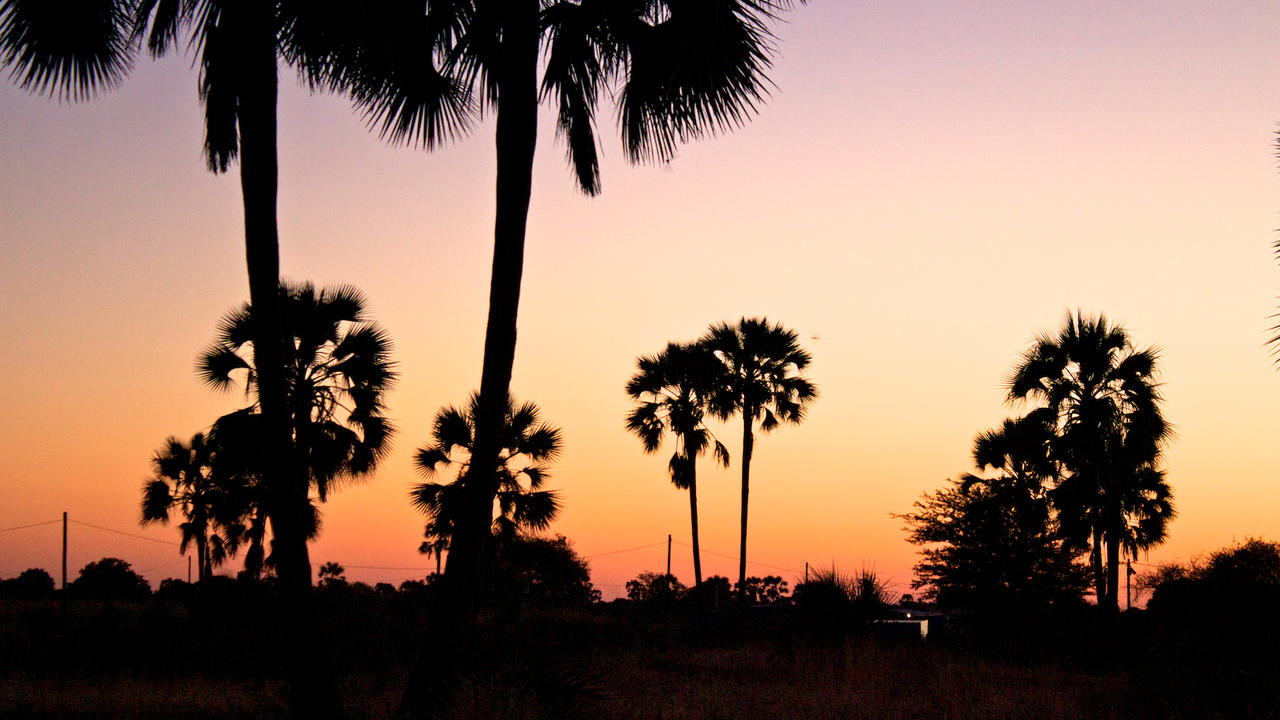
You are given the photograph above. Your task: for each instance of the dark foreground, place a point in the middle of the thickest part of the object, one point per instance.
(217, 656)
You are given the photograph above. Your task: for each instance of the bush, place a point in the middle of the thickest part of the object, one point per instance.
(110, 579)
(32, 584)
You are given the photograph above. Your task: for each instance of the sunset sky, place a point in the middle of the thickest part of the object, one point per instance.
(931, 184)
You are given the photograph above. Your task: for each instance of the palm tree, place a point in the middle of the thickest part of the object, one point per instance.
(760, 379)
(529, 445)
(339, 374)
(679, 72)
(185, 480)
(672, 390)
(1100, 393)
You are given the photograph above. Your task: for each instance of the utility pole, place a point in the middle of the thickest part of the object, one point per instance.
(64, 549)
(806, 572)
(668, 555)
(1128, 582)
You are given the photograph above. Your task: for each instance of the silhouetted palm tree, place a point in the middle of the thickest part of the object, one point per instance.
(528, 447)
(185, 480)
(338, 377)
(1101, 393)
(673, 390)
(761, 381)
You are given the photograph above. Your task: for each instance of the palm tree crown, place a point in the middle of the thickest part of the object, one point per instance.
(760, 379)
(336, 383)
(1099, 395)
(529, 445)
(185, 479)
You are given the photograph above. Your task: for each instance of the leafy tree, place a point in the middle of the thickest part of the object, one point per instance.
(768, 590)
(655, 588)
(992, 543)
(331, 573)
(761, 381)
(110, 579)
(1100, 398)
(30, 584)
(541, 571)
(672, 390)
(529, 445)
(184, 479)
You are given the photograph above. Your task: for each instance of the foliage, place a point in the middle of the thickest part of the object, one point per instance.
(1097, 394)
(541, 571)
(109, 579)
(768, 590)
(655, 588)
(991, 547)
(760, 378)
(340, 373)
(30, 584)
(673, 392)
(186, 478)
(528, 447)
(331, 573)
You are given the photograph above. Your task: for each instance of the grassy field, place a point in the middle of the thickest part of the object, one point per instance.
(219, 660)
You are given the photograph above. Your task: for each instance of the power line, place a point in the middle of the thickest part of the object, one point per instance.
(126, 534)
(24, 527)
(615, 552)
(733, 557)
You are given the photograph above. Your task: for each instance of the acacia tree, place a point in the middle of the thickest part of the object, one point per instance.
(673, 390)
(760, 380)
(1100, 394)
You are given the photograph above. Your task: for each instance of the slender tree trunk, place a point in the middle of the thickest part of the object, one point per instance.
(1095, 561)
(312, 690)
(202, 556)
(452, 615)
(693, 517)
(1113, 576)
(748, 443)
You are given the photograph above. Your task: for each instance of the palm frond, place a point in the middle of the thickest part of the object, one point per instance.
(66, 50)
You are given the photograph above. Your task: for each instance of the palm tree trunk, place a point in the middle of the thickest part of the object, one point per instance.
(202, 556)
(452, 615)
(312, 690)
(1112, 608)
(748, 442)
(693, 517)
(1095, 560)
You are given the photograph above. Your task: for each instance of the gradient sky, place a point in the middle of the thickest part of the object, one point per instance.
(932, 184)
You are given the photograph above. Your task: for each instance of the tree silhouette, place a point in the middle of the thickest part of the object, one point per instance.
(991, 544)
(1102, 403)
(678, 71)
(339, 374)
(759, 380)
(76, 50)
(672, 390)
(521, 505)
(184, 479)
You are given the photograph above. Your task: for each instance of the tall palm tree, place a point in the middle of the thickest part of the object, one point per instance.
(760, 380)
(1101, 394)
(529, 445)
(679, 72)
(184, 479)
(672, 390)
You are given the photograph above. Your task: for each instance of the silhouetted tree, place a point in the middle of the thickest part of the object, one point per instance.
(529, 445)
(30, 584)
(761, 381)
(75, 50)
(672, 390)
(541, 571)
(680, 71)
(992, 544)
(1103, 405)
(184, 479)
(655, 588)
(110, 579)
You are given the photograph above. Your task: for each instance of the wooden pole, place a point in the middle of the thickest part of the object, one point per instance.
(668, 555)
(64, 550)
(188, 569)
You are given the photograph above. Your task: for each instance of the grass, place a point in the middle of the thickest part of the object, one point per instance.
(152, 661)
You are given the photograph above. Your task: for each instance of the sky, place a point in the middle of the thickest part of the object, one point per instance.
(930, 185)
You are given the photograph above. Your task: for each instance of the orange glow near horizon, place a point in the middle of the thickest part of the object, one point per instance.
(929, 187)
